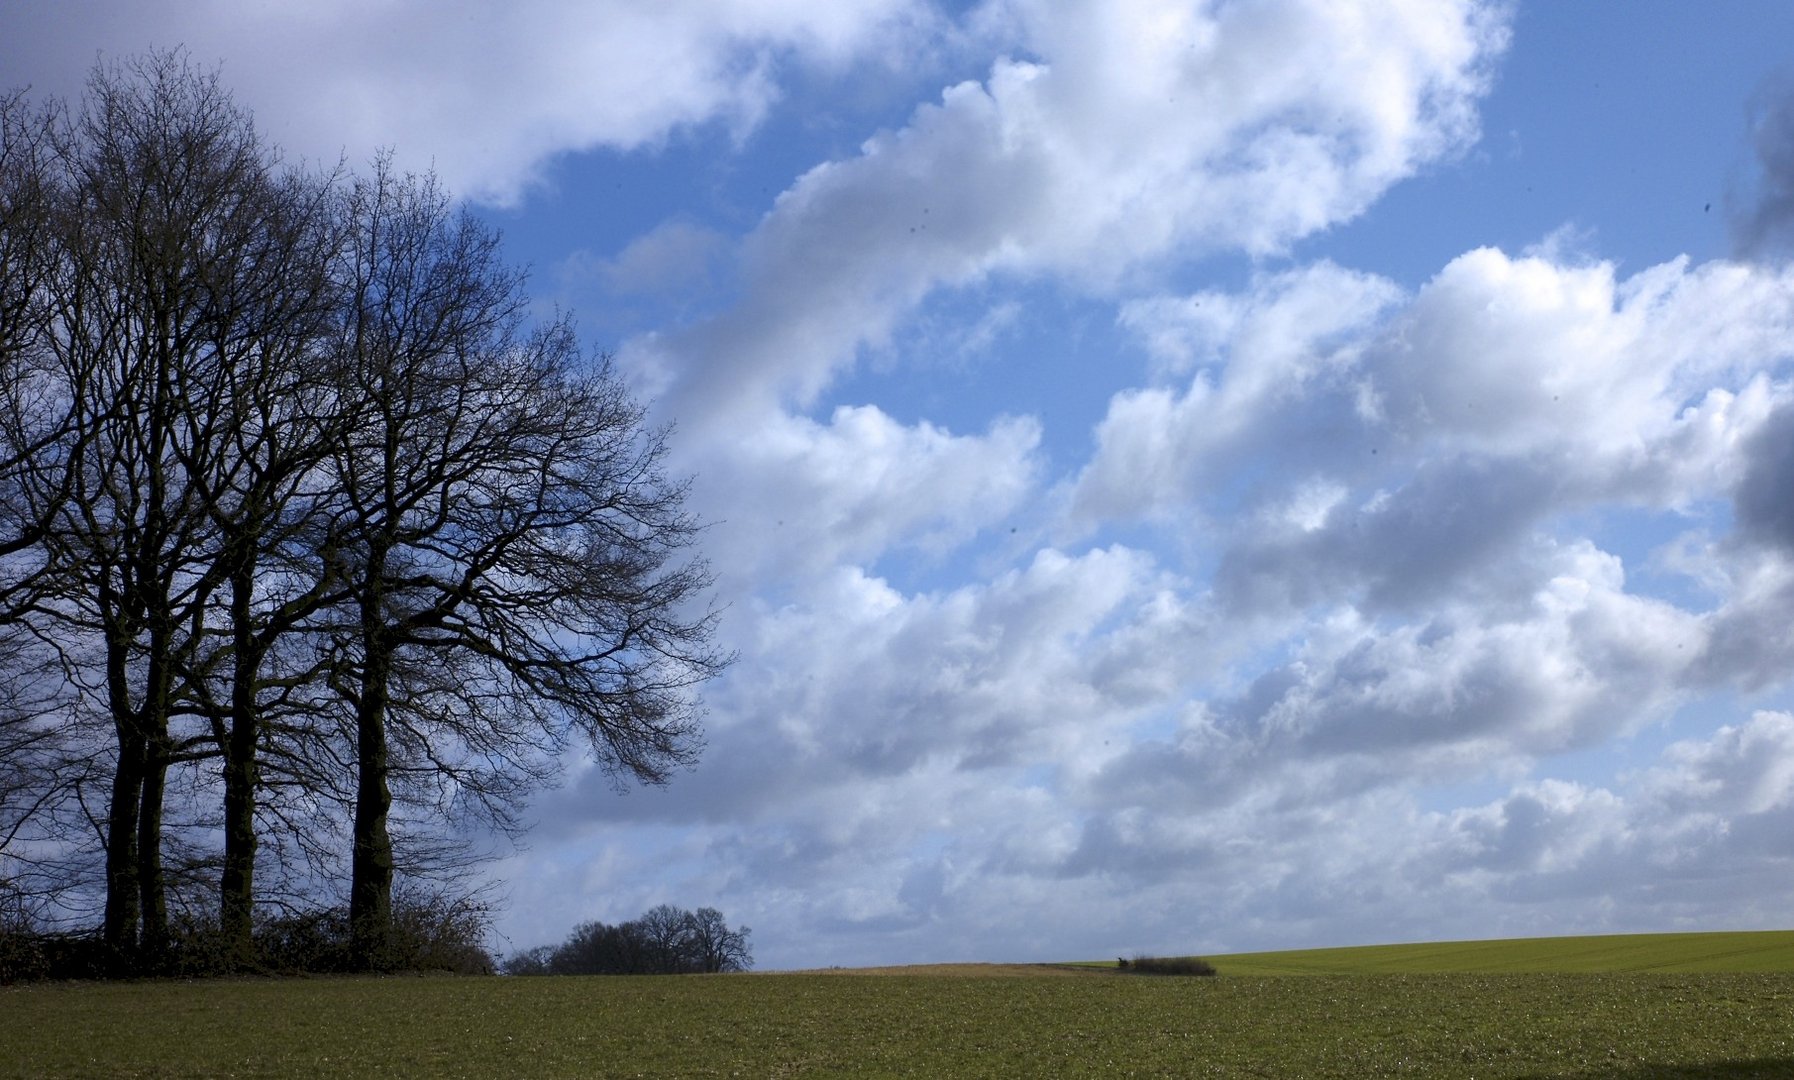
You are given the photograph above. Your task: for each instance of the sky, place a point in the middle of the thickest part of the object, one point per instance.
(1184, 477)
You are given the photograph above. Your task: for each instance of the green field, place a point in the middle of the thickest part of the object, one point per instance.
(956, 1021)
(1769, 950)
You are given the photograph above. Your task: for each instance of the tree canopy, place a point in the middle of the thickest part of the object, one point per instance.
(665, 940)
(314, 544)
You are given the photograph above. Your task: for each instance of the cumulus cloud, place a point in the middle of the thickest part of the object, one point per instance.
(1751, 644)
(486, 95)
(1506, 356)
(793, 497)
(1367, 703)
(1109, 140)
(857, 680)
(1273, 383)
(1742, 769)
(1118, 136)
(888, 743)
(1361, 572)
(1281, 863)
(1308, 644)
(1591, 383)
(1712, 811)
(1383, 495)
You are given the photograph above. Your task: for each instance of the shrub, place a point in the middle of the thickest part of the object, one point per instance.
(441, 933)
(29, 951)
(195, 948)
(316, 940)
(1168, 965)
(28, 956)
(430, 932)
(21, 956)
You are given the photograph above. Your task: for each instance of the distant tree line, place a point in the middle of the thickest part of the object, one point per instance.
(317, 549)
(664, 941)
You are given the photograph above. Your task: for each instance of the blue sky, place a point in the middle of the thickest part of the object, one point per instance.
(1186, 477)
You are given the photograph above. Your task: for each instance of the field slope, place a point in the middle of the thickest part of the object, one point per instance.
(1747, 952)
(1492, 1027)
(1608, 1008)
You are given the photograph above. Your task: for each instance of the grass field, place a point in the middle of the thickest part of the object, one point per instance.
(1771, 950)
(955, 1021)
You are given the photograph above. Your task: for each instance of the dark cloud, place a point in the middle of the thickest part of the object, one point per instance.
(1764, 225)
(1764, 499)
(1440, 531)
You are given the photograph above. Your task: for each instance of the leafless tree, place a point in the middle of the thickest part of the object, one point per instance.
(712, 946)
(309, 533)
(665, 940)
(184, 297)
(37, 764)
(142, 221)
(513, 546)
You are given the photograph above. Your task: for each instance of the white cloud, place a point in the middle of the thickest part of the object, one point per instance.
(1710, 820)
(1505, 356)
(1751, 643)
(1338, 557)
(1263, 361)
(673, 257)
(1413, 617)
(1364, 573)
(865, 681)
(792, 497)
(888, 745)
(1742, 769)
(1698, 842)
(1368, 703)
(1337, 444)
(487, 94)
(1137, 133)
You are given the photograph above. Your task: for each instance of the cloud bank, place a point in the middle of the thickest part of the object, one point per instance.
(1363, 609)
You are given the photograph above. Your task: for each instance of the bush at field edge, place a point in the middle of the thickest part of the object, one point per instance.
(1167, 965)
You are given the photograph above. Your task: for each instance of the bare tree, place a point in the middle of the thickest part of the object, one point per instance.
(711, 946)
(257, 447)
(31, 416)
(510, 538)
(146, 170)
(303, 518)
(665, 940)
(38, 766)
(183, 306)
(661, 931)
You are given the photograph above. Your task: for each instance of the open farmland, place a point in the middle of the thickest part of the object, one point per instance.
(1771, 950)
(947, 1021)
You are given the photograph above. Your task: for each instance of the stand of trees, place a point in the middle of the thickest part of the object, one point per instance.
(664, 941)
(314, 546)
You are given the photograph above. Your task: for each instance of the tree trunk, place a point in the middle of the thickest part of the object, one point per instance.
(123, 901)
(151, 885)
(236, 902)
(152, 723)
(370, 886)
(124, 864)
